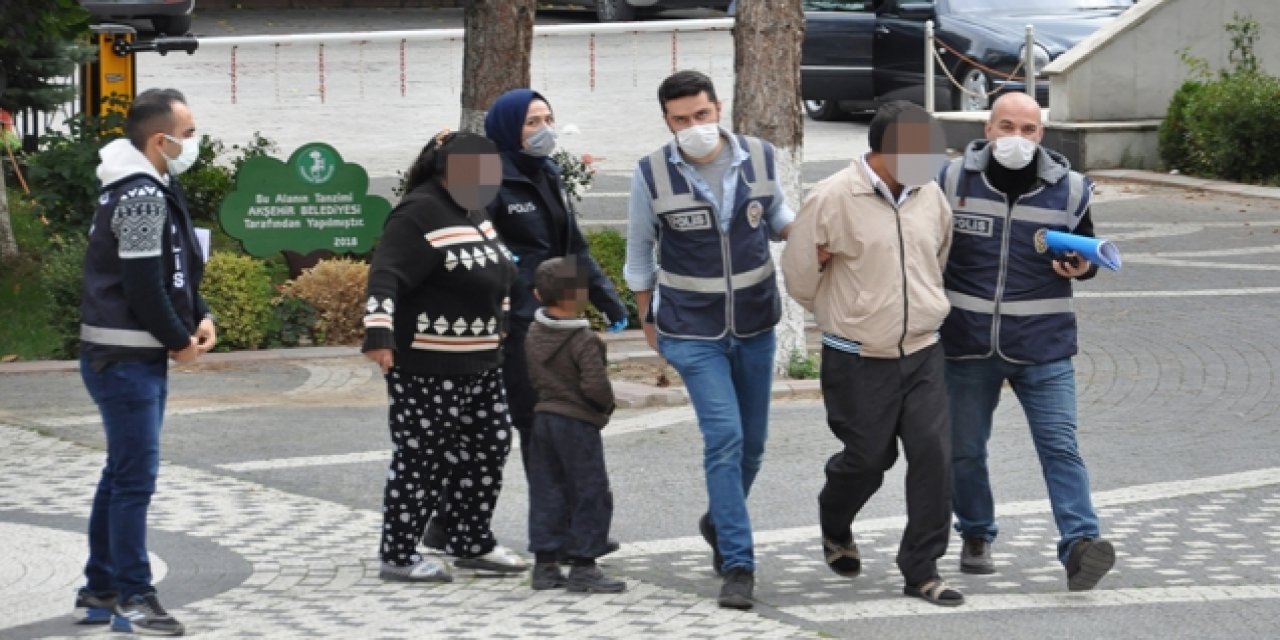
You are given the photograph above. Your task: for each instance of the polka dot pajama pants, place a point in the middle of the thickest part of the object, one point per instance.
(452, 435)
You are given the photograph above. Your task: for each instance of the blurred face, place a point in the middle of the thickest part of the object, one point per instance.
(578, 300)
(538, 117)
(690, 111)
(473, 179)
(914, 152)
(1015, 114)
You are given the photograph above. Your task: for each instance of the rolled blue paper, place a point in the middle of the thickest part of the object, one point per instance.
(1095, 250)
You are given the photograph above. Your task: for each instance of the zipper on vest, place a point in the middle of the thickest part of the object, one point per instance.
(1005, 234)
(902, 263)
(730, 319)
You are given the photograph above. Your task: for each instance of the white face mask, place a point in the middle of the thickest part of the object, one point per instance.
(699, 140)
(1014, 152)
(187, 157)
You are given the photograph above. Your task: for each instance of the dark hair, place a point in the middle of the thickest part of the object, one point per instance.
(431, 160)
(683, 84)
(150, 113)
(891, 113)
(557, 278)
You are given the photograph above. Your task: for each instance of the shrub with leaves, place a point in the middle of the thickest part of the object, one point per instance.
(803, 366)
(212, 177)
(293, 323)
(576, 172)
(239, 293)
(1223, 127)
(609, 248)
(62, 175)
(62, 278)
(335, 288)
(1172, 136)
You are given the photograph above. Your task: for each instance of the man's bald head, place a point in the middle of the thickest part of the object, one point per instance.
(1015, 114)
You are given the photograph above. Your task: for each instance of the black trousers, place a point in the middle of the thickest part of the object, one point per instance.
(570, 504)
(452, 436)
(521, 398)
(871, 404)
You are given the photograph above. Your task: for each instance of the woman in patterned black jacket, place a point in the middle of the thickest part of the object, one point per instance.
(436, 315)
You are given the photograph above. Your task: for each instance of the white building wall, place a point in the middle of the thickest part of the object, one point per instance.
(1130, 69)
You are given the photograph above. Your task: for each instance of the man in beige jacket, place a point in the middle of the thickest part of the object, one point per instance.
(866, 255)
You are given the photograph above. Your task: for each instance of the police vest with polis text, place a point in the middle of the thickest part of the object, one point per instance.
(712, 282)
(109, 331)
(1006, 300)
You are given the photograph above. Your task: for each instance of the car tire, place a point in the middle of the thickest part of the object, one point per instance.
(614, 11)
(823, 110)
(976, 81)
(172, 25)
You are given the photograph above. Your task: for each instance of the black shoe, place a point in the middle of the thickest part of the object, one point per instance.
(738, 590)
(708, 530)
(842, 557)
(590, 579)
(94, 608)
(143, 614)
(435, 537)
(975, 557)
(1087, 562)
(547, 575)
(610, 546)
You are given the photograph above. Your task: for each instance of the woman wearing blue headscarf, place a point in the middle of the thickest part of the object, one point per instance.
(535, 218)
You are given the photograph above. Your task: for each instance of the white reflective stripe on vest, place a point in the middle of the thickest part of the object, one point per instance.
(762, 186)
(1076, 192)
(716, 284)
(118, 337)
(667, 200)
(975, 304)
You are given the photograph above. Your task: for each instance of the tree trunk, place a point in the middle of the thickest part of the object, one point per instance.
(498, 40)
(8, 245)
(766, 104)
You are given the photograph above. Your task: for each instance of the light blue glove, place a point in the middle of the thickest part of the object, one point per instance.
(619, 325)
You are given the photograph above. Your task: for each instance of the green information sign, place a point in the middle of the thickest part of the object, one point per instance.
(313, 202)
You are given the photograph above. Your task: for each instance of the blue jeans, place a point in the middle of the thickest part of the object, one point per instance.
(130, 396)
(1047, 393)
(729, 381)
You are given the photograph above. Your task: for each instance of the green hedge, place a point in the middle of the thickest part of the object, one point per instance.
(1224, 126)
(239, 293)
(609, 248)
(62, 278)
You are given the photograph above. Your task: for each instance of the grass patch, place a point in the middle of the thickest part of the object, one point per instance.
(25, 331)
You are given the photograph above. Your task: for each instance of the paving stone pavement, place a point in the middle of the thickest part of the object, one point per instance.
(314, 570)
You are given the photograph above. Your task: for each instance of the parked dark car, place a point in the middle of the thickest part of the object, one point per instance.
(859, 54)
(169, 17)
(622, 10)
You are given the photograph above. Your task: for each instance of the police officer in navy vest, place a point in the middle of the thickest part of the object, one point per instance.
(710, 202)
(141, 305)
(1012, 320)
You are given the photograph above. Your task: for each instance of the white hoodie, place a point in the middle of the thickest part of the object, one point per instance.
(120, 159)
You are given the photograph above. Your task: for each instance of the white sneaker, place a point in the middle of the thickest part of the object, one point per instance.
(426, 570)
(499, 560)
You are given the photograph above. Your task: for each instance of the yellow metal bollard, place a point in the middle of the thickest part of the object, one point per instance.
(109, 83)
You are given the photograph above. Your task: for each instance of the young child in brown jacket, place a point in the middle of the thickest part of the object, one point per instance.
(570, 504)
